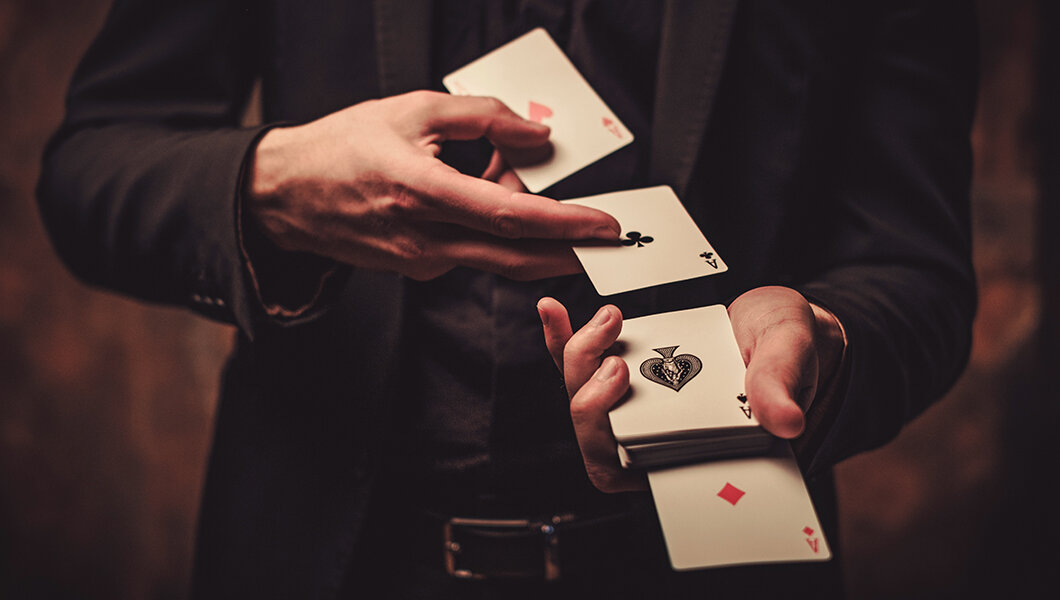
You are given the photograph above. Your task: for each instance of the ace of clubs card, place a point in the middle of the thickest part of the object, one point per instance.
(660, 243)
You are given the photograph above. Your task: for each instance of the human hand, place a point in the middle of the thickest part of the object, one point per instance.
(595, 382)
(364, 186)
(788, 345)
(791, 348)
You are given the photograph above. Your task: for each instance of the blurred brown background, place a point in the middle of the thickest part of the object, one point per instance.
(106, 404)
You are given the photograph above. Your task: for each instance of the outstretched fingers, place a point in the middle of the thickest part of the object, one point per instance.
(473, 117)
(451, 197)
(595, 383)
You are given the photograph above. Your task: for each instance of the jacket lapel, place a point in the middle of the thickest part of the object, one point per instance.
(403, 41)
(695, 37)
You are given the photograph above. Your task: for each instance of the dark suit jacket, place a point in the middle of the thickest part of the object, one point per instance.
(818, 145)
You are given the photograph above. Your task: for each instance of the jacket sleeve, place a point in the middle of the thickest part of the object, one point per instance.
(140, 185)
(897, 256)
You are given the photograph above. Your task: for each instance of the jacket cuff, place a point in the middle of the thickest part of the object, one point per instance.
(816, 447)
(288, 287)
(276, 287)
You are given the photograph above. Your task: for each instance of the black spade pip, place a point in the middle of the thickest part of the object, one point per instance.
(672, 371)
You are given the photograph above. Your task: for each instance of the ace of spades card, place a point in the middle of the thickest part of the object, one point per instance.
(660, 243)
(686, 379)
(533, 77)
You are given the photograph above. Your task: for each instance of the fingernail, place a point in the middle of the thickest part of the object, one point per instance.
(606, 232)
(602, 317)
(607, 370)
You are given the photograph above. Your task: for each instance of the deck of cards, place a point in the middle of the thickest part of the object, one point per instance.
(686, 399)
(726, 491)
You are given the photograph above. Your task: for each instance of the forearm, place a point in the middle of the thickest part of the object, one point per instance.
(893, 259)
(908, 334)
(150, 211)
(139, 187)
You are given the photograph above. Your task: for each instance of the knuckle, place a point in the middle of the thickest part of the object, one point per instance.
(577, 409)
(571, 352)
(402, 203)
(424, 181)
(575, 350)
(417, 106)
(506, 223)
(435, 170)
(411, 249)
(514, 269)
(421, 98)
(582, 412)
(494, 105)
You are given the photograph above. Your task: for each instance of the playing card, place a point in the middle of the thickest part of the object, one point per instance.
(686, 377)
(738, 511)
(669, 453)
(533, 77)
(660, 243)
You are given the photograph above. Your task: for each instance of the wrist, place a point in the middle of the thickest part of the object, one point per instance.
(264, 189)
(289, 284)
(831, 343)
(269, 164)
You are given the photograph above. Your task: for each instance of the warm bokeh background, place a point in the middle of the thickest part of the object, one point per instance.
(106, 404)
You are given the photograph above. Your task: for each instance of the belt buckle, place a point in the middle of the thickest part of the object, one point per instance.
(545, 529)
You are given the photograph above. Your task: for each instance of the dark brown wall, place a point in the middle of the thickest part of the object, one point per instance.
(106, 404)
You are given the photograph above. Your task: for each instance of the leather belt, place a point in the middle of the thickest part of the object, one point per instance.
(541, 549)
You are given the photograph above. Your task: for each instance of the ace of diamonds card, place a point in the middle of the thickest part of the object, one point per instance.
(737, 512)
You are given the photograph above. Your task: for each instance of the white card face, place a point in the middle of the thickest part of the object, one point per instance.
(737, 512)
(533, 77)
(686, 378)
(660, 242)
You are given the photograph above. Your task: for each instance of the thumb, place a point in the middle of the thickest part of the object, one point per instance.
(781, 380)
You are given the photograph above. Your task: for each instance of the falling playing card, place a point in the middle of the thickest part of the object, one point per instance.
(685, 375)
(738, 511)
(533, 77)
(660, 242)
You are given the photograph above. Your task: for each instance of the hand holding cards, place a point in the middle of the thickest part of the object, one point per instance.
(686, 403)
(685, 398)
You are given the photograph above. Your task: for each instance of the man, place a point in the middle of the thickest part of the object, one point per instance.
(385, 381)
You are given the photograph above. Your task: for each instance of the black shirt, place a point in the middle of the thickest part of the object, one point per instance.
(487, 409)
